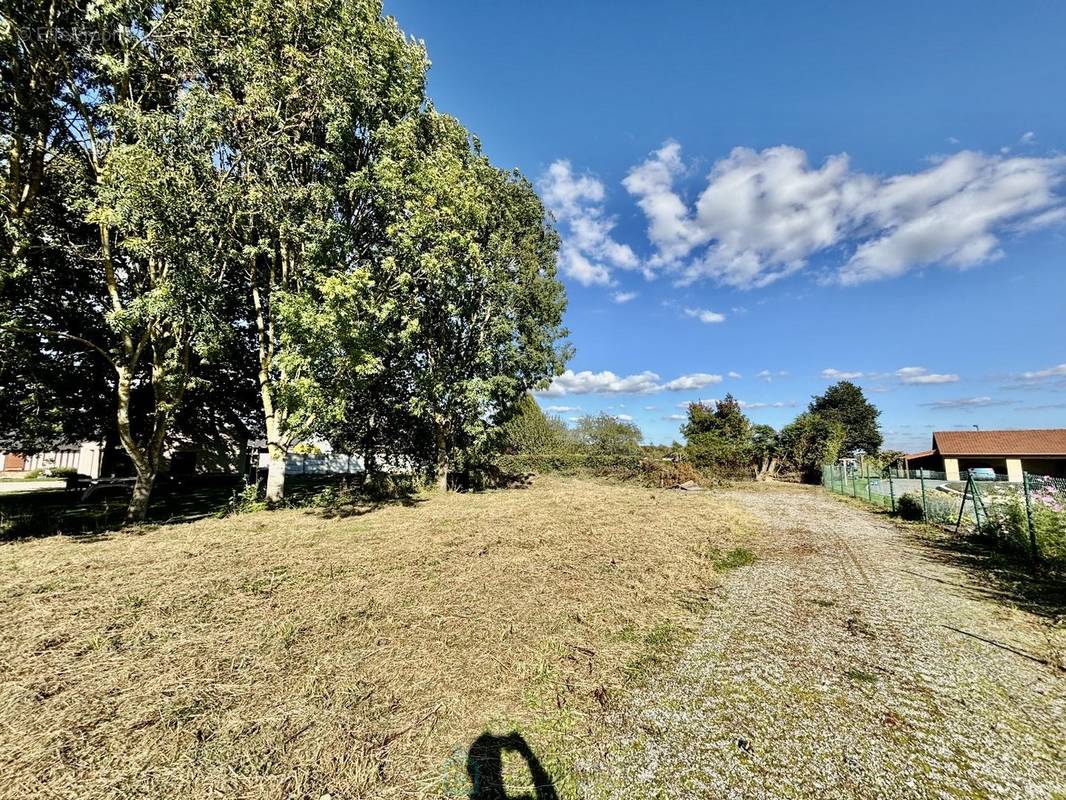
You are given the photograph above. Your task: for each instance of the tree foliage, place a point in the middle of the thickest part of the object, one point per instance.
(719, 436)
(606, 435)
(811, 441)
(472, 256)
(528, 430)
(844, 403)
(207, 195)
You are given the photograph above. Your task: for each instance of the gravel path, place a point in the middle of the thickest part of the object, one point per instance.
(836, 667)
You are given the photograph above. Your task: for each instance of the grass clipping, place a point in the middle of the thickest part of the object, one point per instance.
(295, 654)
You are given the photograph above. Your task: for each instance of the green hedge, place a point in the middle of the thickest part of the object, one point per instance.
(651, 472)
(568, 462)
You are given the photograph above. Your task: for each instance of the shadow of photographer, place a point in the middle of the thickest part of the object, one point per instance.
(484, 765)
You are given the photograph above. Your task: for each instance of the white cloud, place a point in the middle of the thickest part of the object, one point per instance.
(670, 226)
(839, 375)
(761, 404)
(607, 382)
(922, 376)
(1028, 137)
(966, 402)
(623, 297)
(623, 417)
(768, 376)
(763, 214)
(733, 374)
(676, 418)
(695, 381)
(1058, 371)
(572, 262)
(562, 409)
(588, 252)
(705, 315)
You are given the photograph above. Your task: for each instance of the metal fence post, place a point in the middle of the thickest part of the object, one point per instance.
(925, 511)
(891, 491)
(1033, 551)
(869, 489)
(854, 484)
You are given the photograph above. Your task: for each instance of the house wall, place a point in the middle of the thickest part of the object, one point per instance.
(951, 469)
(85, 457)
(14, 462)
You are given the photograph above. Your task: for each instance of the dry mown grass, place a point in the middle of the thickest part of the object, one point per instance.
(289, 654)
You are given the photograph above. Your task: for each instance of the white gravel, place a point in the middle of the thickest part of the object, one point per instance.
(830, 669)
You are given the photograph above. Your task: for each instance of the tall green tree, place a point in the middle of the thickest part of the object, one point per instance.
(137, 136)
(529, 430)
(306, 83)
(43, 62)
(845, 403)
(765, 451)
(719, 435)
(472, 255)
(809, 442)
(606, 435)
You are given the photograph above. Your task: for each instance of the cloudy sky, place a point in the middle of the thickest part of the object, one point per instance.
(760, 198)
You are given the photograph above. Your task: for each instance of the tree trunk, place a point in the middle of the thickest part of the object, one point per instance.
(275, 485)
(142, 492)
(276, 451)
(442, 456)
(146, 467)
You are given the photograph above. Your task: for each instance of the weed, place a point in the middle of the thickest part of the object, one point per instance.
(735, 558)
(861, 676)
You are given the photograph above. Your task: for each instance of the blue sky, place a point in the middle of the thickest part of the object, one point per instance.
(754, 195)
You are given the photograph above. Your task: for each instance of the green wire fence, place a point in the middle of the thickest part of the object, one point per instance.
(1029, 516)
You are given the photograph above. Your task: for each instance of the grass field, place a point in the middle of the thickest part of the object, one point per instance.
(351, 653)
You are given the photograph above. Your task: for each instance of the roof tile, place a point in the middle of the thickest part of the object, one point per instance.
(1042, 442)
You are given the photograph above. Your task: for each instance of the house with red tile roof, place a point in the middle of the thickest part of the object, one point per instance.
(1009, 453)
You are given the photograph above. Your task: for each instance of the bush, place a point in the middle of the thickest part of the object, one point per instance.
(61, 472)
(568, 463)
(244, 501)
(910, 508)
(651, 472)
(660, 474)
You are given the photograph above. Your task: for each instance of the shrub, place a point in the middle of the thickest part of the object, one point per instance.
(61, 472)
(660, 474)
(604, 435)
(568, 463)
(530, 430)
(910, 508)
(245, 501)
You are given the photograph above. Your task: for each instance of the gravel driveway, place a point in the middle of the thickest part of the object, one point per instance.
(846, 663)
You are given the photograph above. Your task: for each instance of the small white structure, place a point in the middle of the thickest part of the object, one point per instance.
(85, 457)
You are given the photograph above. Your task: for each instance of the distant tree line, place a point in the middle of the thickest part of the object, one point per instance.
(720, 440)
(248, 215)
(840, 421)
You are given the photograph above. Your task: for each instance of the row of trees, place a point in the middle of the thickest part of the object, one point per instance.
(529, 431)
(840, 421)
(246, 215)
(719, 437)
